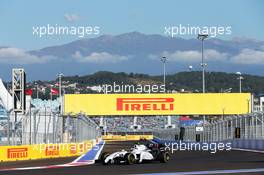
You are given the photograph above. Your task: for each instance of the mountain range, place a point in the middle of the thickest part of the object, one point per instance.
(137, 52)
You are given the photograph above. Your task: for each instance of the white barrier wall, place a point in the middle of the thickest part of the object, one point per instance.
(5, 98)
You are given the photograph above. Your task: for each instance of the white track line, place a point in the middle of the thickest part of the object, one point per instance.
(258, 170)
(248, 150)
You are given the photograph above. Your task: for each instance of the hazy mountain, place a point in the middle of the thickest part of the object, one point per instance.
(136, 43)
(137, 52)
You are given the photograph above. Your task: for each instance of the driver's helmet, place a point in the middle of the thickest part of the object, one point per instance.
(136, 145)
(151, 145)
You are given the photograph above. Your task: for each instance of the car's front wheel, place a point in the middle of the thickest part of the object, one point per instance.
(129, 158)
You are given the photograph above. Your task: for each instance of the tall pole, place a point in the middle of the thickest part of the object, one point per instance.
(8, 117)
(35, 127)
(37, 92)
(30, 124)
(53, 127)
(163, 60)
(60, 85)
(240, 84)
(45, 125)
(15, 130)
(202, 37)
(50, 95)
(240, 78)
(60, 91)
(203, 66)
(8, 126)
(164, 74)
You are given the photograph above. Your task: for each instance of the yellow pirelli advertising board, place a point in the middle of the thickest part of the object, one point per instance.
(158, 104)
(44, 151)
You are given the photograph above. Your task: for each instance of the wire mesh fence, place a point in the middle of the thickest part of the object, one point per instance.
(48, 127)
(249, 126)
(235, 127)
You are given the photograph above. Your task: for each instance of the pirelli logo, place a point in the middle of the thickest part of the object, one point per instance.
(52, 151)
(73, 149)
(16, 153)
(144, 104)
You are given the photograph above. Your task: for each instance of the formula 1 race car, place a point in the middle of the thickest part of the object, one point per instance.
(137, 154)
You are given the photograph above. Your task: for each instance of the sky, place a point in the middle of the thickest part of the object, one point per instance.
(122, 16)
(21, 23)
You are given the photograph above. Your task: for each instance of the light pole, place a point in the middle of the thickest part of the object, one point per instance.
(240, 78)
(45, 125)
(202, 37)
(163, 60)
(37, 91)
(34, 126)
(60, 75)
(190, 68)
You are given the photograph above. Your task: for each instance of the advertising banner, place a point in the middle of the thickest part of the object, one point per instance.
(158, 104)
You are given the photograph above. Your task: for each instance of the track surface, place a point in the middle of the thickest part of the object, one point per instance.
(180, 161)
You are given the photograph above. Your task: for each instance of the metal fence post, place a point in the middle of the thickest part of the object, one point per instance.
(240, 125)
(220, 131)
(262, 125)
(250, 127)
(246, 132)
(256, 126)
(215, 132)
(226, 129)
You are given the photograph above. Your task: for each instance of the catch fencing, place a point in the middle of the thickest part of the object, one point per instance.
(248, 126)
(46, 126)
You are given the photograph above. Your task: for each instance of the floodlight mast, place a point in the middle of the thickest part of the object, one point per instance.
(60, 91)
(163, 60)
(202, 37)
(240, 78)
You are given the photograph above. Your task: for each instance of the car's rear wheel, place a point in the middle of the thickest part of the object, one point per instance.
(164, 157)
(129, 158)
(103, 157)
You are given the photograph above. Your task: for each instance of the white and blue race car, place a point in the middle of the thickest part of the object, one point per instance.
(137, 154)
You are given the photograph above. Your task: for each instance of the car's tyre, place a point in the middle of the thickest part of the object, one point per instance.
(118, 160)
(129, 158)
(164, 157)
(103, 157)
(155, 153)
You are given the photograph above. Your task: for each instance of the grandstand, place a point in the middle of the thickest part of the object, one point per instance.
(51, 104)
(124, 123)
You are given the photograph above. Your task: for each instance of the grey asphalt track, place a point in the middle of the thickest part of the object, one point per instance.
(181, 161)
